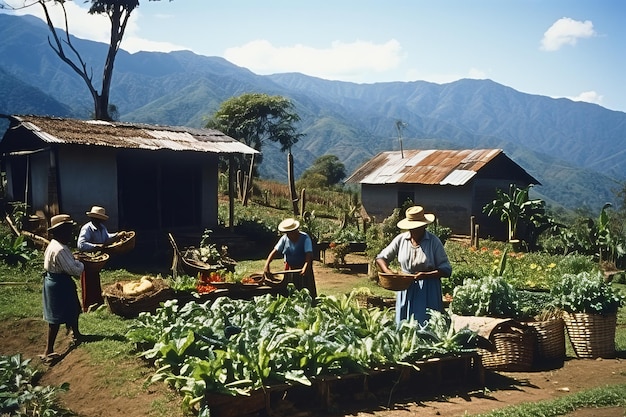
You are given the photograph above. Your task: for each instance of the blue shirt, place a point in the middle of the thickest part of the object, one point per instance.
(294, 253)
(90, 235)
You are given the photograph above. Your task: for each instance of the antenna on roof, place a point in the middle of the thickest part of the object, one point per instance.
(399, 126)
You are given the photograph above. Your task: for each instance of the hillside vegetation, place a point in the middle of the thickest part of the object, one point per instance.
(574, 149)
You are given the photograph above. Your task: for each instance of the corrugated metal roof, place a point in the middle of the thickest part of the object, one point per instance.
(437, 167)
(130, 135)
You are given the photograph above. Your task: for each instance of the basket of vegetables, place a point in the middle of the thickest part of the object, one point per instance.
(125, 243)
(589, 307)
(395, 282)
(93, 261)
(493, 297)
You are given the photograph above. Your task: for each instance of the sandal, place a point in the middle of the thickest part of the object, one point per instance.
(49, 358)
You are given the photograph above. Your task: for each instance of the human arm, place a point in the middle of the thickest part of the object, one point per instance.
(388, 254)
(269, 259)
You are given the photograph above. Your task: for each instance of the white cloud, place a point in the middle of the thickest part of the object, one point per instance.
(340, 61)
(566, 31)
(589, 97)
(97, 27)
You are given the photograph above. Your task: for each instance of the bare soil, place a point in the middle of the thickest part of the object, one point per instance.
(92, 395)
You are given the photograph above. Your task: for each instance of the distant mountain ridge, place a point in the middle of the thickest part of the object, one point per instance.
(575, 149)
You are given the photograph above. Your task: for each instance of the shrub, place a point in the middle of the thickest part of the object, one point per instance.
(487, 296)
(586, 293)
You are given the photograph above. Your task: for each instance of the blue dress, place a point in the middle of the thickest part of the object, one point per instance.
(423, 294)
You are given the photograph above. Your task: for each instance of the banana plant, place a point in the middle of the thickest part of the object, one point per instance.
(515, 207)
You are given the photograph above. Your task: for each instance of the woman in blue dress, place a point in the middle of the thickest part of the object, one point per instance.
(419, 253)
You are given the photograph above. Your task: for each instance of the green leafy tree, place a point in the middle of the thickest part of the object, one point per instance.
(256, 118)
(327, 170)
(118, 12)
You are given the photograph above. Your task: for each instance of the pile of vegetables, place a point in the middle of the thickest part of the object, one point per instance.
(235, 346)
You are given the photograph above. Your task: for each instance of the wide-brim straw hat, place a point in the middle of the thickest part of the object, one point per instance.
(60, 220)
(288, 225)
(98, 212)
(415, 217)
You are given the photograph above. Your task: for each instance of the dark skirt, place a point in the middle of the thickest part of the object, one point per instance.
(60, 299)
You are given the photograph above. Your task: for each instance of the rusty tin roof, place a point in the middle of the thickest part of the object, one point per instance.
(54, 130)
(436, 167)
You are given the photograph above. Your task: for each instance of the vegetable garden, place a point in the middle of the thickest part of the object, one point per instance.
(239, 347)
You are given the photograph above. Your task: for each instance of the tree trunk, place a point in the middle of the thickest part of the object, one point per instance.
(292, 184)
(248, 183)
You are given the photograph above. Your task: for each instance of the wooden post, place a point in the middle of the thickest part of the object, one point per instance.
(231, 193)
(292, 183)
(476, 236)
(472, 223)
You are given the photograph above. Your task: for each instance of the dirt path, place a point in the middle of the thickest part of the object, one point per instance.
(90, 397)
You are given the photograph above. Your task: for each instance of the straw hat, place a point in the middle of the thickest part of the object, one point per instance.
(415, 217)
(59, 220)
(97, 212)
(288, 225)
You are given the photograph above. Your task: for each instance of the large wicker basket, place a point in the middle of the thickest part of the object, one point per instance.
(514, 351)
(93, 262)
(592, 335)
(130, 306)
(550, 336)
(395, 282)
(125, 244)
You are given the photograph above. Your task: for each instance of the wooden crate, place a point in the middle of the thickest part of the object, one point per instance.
(434, 375)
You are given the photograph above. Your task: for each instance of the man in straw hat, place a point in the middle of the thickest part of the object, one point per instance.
(420, 253)
(296, 247)
(93, 237)
(60, 298)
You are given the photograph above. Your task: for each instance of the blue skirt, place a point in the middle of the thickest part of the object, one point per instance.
(414, 301)
(60, 299)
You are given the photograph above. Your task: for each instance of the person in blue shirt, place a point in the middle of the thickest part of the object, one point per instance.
(296, 248)
(94, 235)
(419, 253)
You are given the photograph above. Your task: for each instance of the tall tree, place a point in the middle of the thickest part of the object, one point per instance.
(118, 12)
(254, 118)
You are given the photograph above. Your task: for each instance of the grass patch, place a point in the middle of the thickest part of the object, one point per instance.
(607, 396)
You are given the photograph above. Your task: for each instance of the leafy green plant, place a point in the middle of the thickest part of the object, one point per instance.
(19, 396)
(517, 209)
(235, 346)
(487, 296)
(586, 293)
(14, 251)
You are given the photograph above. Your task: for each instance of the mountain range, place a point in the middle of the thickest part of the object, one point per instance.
(574, 149)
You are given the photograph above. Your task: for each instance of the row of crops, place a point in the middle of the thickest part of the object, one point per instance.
(233, 346)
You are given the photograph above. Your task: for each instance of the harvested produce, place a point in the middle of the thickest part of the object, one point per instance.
(141, 286)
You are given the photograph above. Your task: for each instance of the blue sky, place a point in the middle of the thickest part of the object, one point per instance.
(557, 48)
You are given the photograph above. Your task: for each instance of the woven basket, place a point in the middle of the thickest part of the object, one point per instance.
(513, 351)
(550, 336)
(395, 282)
(125, 244)
(592, 335)
(93, 262)
(130, 306)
